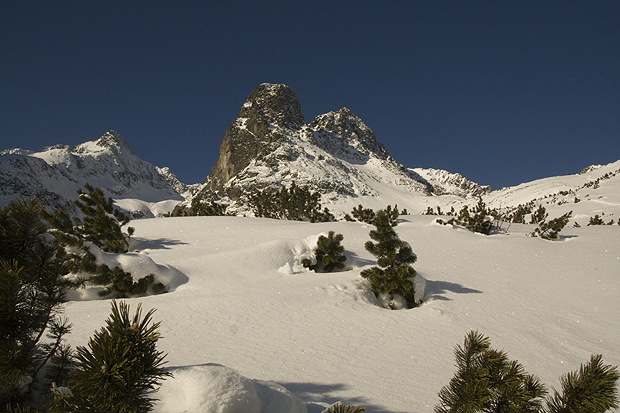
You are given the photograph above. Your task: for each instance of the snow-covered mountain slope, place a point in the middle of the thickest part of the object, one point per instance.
(549, 305)
(593, 191)
(270, 145)
(54, 174)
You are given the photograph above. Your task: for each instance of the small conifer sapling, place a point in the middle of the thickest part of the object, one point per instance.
(394, 273)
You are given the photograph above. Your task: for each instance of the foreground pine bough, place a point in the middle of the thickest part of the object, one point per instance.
(487, 381)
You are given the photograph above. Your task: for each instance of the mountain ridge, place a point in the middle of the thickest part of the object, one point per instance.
(337, 154)
(54, 174)
(269, 144)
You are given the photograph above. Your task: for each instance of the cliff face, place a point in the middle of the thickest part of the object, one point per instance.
(258, 128)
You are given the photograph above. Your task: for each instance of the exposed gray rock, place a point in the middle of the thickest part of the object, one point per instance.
(267, 111)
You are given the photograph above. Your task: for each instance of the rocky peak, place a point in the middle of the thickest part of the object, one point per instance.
(267, 113)
(338, 132)
(113, 139)
(274, 105)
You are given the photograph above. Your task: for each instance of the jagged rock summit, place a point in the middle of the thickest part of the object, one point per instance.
(54, 174)
(269, 144)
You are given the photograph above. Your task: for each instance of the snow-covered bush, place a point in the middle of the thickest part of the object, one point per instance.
(217, 388)
(328, 255)
(86, 241)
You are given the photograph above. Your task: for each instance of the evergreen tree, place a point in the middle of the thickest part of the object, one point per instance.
(362, 214)
(550, 230)
(345, 408)
(486, 381)
(330, 251)
(591, 389)
(293, 203)
(394, 272)
(539, 216)
(102, 223)
(478, 222)
(328, 254)
(518, 215)
(596, 220)
(199, 208)
(32, 292)
(103, 229)
(121, 366)
(392, 214)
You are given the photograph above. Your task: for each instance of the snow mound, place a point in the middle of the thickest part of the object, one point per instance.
(213, 388)
(143, 209)
(138, 264)
(300, 250)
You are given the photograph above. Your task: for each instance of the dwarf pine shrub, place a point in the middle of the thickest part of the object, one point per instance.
(102, 223)
(596, 220)
(590, 389)
(102, 227)
(362, 214)
(487, 381)
(345, 408)
(329, 254)
(121, 367)
(32, 292)
(393, 272)
(549, 230)
(293, 203)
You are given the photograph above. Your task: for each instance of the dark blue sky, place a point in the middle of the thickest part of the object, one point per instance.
(502, 92)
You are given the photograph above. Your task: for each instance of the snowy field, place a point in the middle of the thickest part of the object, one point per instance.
(242, 301)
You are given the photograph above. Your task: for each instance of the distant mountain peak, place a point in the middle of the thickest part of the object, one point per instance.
(112, 139)
(54, 174)
(338, 132)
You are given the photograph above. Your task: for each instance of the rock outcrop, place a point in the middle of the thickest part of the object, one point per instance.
(270, 145)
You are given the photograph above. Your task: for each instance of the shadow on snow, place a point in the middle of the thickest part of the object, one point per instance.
(321, 392)
(137, 243)
(435, 289)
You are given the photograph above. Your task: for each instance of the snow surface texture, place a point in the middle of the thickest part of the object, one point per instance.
(324, 337)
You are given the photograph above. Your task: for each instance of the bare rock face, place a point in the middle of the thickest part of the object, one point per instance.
(256, 131)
